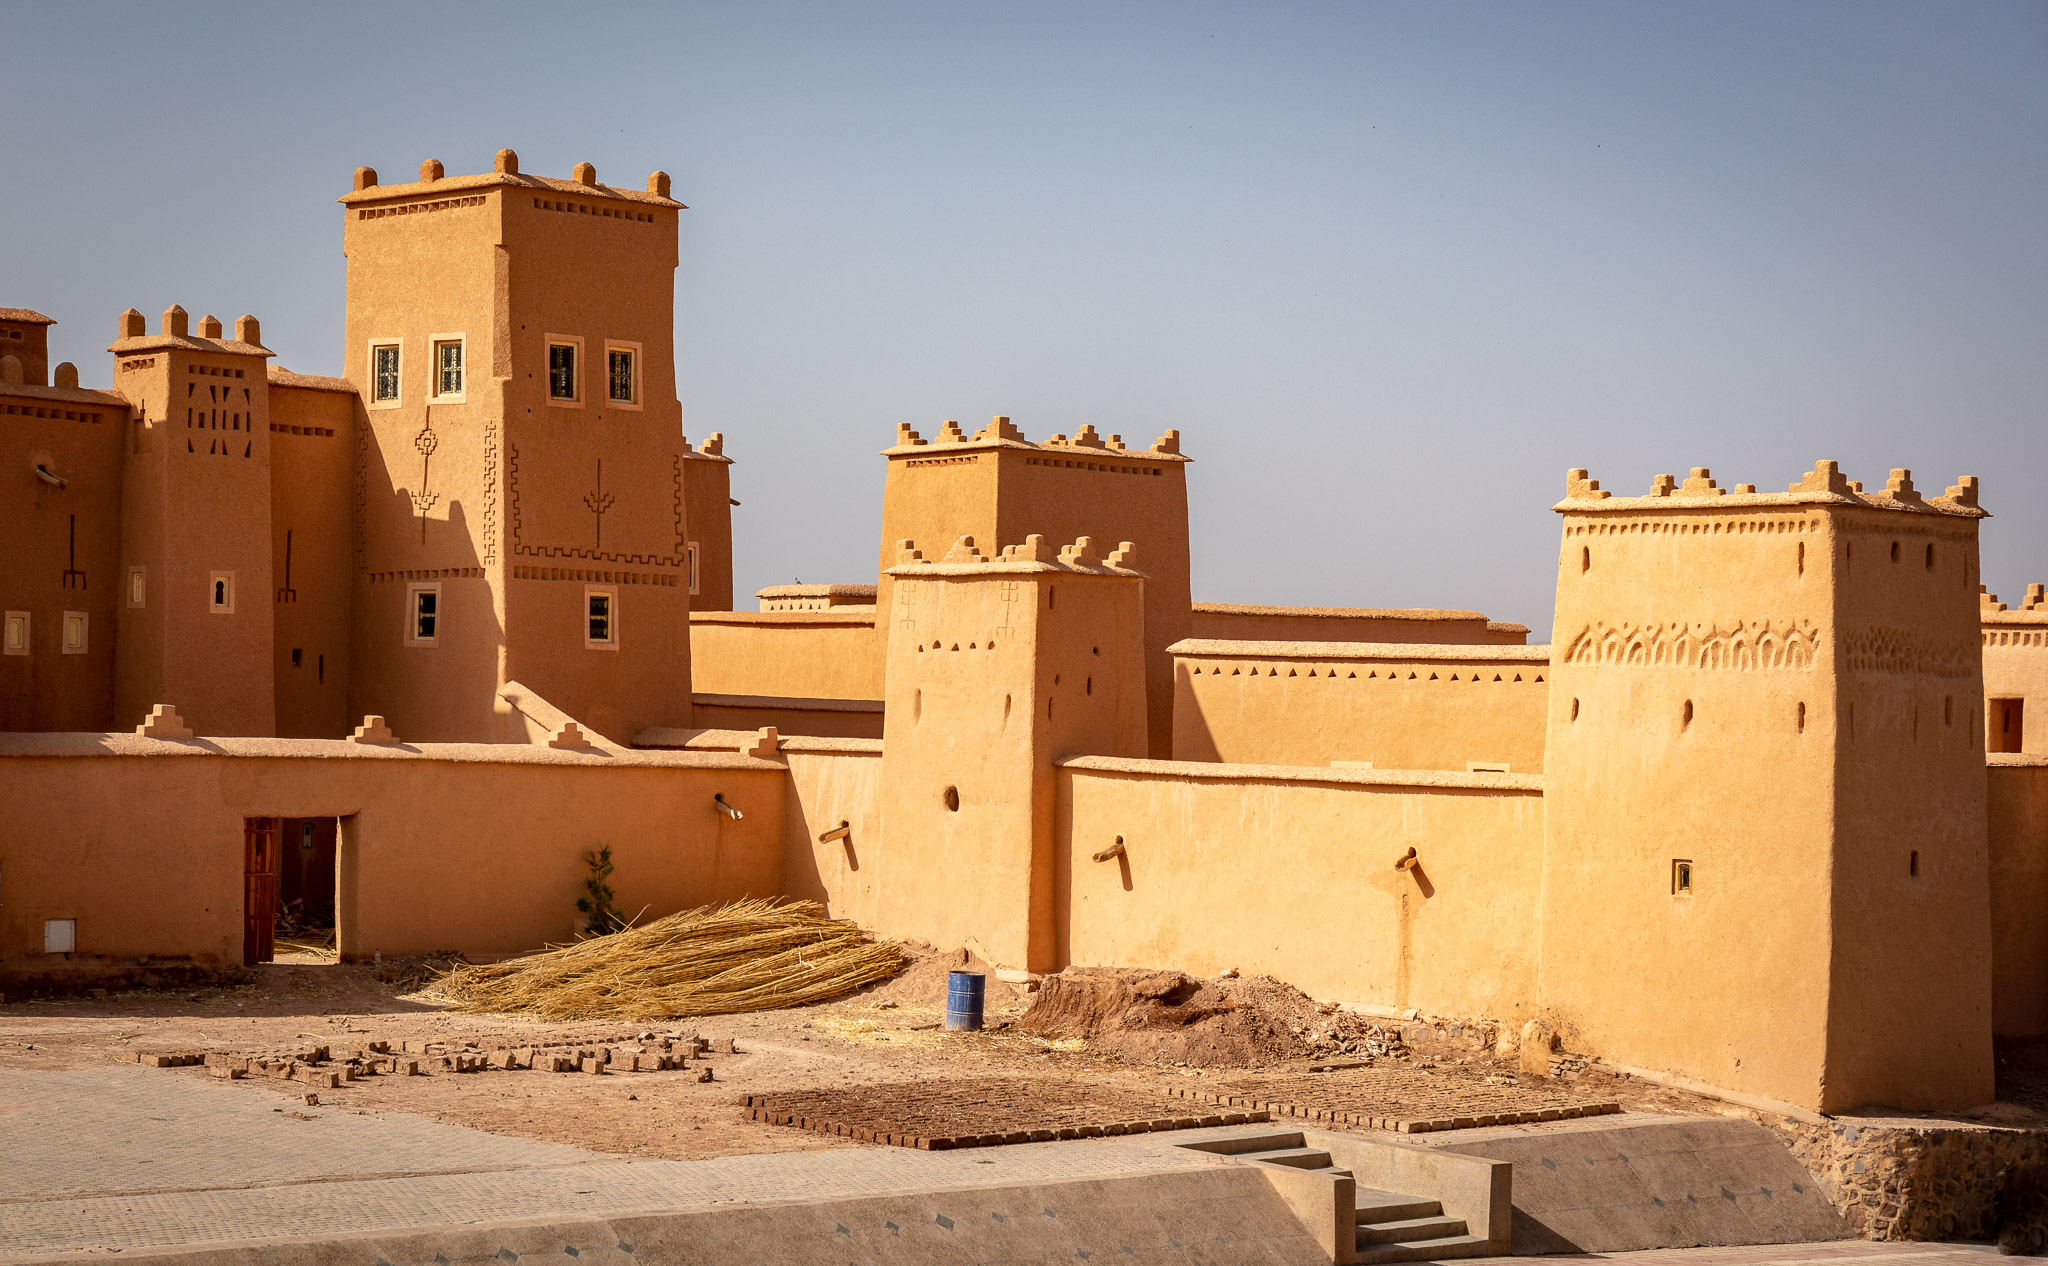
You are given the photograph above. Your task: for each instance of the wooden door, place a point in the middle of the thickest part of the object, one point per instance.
(259, 889)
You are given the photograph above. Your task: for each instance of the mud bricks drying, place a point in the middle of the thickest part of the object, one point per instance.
(979, 1112)
(1408, 1102)
(325, 1066)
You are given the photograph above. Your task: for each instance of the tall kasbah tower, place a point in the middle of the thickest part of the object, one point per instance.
(707, 491)
(522, 475)
(195, 617)
(1765, 864)
(997, 486)
(997, 666)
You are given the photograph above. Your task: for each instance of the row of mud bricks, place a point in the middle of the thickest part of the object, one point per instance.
(1917, 1184)
(609, 1054)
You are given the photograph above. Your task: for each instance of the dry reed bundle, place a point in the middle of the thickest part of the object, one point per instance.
(742, 956)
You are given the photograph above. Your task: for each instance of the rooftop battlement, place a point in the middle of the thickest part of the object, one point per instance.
(433, 180)
(175, 334)
(2033, 608)
(1001, 433)
(1823, 485)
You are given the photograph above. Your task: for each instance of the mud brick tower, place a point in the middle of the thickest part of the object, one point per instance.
(522, 461)
(997, 667)
(195, 615)
(1765, 738)
(997, 486)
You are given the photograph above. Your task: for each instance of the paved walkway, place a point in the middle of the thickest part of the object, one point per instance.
(1852, 1252)
(123, 1158)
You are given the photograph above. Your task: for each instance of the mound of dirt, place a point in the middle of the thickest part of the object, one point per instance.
(922, 983)
(1166, 1017)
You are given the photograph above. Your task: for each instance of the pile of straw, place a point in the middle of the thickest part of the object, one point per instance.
(744, 956)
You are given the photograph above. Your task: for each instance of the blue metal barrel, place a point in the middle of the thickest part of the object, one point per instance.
(964, 992)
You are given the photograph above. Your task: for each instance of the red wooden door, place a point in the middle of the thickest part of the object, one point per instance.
(259, 889)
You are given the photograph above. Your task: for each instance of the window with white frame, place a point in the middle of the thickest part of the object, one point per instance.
(14, 634)
(601, 619)
(75, 628)
(384, 380)
(564, 354)
(138, 586)
(448, 367)
(422, 615)
(622, 373)
(220, 593)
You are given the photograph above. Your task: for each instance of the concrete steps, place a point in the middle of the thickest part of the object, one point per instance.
(1399, 1228)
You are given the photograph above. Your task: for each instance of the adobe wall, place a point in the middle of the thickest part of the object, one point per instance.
(812, 654)
(1910, 1011)
(1395, 706)
(828, 718)
(2017, 812)
(1194, 889)
(1229, 621)
(63, 550)
(467, 847)
(312, 547)
(833, 782)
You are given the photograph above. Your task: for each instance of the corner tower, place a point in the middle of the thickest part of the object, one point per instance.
(521, 468)
(1766, 789)
(997, 486)
(195, 614)
(997, 667)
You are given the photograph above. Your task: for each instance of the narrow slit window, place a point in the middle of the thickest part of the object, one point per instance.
(1681, 877)
(75, 623)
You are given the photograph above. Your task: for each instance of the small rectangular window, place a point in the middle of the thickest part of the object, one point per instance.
(2008, 725)
(1681, 878)
(384, 373)
(60, 936)
(448, 368)
(601, 629)
(561, 371)
(15, 640)
(220, 598)
(621, 376)
(423, 623)
(138, 586)
(693, 566)
(74, 632)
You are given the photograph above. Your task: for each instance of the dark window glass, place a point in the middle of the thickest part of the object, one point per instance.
(562, 371)
(600, 617)
(622, 375)
(386, 386)
(424, 602)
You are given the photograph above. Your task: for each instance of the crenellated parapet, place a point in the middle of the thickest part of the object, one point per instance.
(1825, 484)
(1001, 432)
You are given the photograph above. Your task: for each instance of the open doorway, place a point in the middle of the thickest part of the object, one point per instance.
(288, 889)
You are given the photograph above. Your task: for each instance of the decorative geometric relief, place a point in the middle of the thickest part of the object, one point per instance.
(598, 502)
(1890, 650)
(1743, 645)
(490, 490)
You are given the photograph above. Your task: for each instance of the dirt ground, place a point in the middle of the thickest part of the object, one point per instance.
(886, 1033)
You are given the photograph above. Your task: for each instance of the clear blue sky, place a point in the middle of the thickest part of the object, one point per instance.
(1390, 269)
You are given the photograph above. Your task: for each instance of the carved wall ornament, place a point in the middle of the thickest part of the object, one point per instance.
(1895, 650)
(1740, 644)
